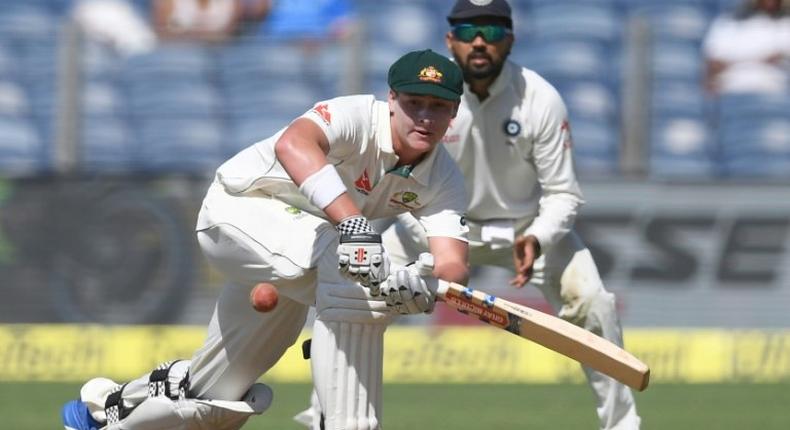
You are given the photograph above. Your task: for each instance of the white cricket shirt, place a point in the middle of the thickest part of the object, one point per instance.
(360, 148)
(514, 149)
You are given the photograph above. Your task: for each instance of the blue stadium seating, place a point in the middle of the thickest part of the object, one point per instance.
(174, 98)
(27, 23)
(248, 129)
(13, 99)
(756, 147)
(677, 60)
(682, 148)
(596, 148)
(596, 21)
(170, 61)
(675, 20)
(673, 97)
(22, 152)
(248, 89)
(107, 145)
(180, 145)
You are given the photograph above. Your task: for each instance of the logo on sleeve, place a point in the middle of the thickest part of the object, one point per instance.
(567, 142)
(322, 110)
(362, 184)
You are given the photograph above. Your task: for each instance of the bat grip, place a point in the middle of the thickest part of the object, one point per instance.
(425, 265)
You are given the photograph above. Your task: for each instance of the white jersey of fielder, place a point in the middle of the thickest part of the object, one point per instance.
(360, 148)
(515, 151)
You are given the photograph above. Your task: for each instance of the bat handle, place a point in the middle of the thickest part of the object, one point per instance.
(425, 266)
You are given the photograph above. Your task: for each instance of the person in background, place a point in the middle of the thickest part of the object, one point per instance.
(116, 24)
(749, 51)
(512, 141)
(196, 20)
(309, 20)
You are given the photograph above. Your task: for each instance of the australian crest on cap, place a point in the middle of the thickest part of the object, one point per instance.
(430, 74)
(480, 2)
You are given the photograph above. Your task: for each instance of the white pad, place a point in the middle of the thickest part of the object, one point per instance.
(346, 356)
(162, 413)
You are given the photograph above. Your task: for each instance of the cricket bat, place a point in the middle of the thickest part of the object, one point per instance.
(547, 330)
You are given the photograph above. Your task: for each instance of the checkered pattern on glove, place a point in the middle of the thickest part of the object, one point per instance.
(354, 225)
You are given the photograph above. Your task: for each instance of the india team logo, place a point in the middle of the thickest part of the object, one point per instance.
(511, 128)
(430, 74)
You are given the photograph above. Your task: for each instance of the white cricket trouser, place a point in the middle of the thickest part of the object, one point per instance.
(569, 280)
(254, 238)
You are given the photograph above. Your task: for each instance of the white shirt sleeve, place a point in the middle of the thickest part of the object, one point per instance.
(553, 160)
(343, 121)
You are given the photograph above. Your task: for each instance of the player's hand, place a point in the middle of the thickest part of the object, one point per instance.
(526, 250)
(407, 291)
(361, 257)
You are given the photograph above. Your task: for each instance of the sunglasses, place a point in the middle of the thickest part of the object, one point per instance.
(491, 33)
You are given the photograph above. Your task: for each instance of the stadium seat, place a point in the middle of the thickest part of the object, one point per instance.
(566, 59)
(13, 99)
(742, 106)
(107, 145)
(102, 98)
(22, 152)
(677, 60)
(756, 147)
(183, 61)
(180, 145)
(596, 148)
(174, 98)
(599, 21)
(287, 98)
(673, 97)
(246, 130)
(682, 148)
(8, 62)
(589, 100)
(23, 23)
(675, 20)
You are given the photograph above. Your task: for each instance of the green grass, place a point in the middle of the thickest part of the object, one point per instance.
(35, 406)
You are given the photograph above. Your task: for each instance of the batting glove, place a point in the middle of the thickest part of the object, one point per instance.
(361, 257)
(407, 290)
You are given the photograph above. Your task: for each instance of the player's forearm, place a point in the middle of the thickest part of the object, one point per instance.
(450, 259)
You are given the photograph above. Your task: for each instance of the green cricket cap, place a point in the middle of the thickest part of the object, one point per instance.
(427, 73)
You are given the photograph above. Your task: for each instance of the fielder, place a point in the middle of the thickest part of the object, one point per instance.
(512, 140)
(294, 210)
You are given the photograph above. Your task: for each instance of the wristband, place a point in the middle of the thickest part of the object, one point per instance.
(323, 187)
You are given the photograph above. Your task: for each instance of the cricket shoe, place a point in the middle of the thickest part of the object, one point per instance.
(76, 416)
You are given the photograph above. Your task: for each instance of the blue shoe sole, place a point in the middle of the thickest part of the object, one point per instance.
(76, 416)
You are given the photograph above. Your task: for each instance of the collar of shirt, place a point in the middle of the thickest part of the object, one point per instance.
(501, 83)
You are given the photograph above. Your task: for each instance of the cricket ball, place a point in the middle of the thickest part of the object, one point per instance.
(263, 297)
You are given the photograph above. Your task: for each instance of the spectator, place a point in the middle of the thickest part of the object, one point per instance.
(309, 20)
(200, 20)
(749, 51)
(115, 23)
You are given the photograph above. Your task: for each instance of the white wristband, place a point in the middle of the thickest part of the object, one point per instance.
(323, 186)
